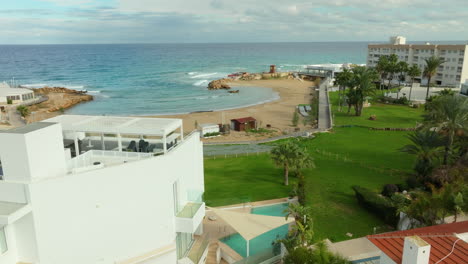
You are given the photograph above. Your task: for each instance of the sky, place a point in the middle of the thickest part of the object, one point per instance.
(206, 21)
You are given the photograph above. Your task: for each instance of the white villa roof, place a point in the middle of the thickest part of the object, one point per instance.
(117, 124)
(5, 90)
(251, 226)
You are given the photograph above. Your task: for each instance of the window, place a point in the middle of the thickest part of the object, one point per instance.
(3, 242)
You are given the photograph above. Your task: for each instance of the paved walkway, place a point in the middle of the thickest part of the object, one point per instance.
(14, 118)
(324, 115)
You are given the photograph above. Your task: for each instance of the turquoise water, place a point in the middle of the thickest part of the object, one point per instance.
(263, 242)
(162, 78)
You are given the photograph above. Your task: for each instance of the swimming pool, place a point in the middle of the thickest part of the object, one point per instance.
(263, 242)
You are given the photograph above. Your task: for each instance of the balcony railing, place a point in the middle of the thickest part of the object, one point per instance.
(199, 248)
(189, 210)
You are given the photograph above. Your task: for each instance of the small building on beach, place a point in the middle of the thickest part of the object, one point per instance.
(15, 95)
(208, 129)
(242, 124)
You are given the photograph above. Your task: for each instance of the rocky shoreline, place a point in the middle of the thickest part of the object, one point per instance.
(69, 98)
(245, 76)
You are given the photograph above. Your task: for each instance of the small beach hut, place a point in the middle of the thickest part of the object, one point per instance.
(241, 124)
(208, 129)
(250, 226)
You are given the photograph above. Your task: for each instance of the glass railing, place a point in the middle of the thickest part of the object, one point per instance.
(189, 210)
(199, 247)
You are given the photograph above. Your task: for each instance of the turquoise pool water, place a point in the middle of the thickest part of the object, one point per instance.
(263, 242)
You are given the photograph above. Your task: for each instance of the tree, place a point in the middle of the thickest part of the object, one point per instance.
(449, 115)
(426, 146)
(343, 79)
(295, 119)
(430, 70)
(392, 68)
(362, 86)
(381, 69)
(402, 67)
(284, 155)
(303, 161)
(23, 110)
(413, 72)
(299, 212)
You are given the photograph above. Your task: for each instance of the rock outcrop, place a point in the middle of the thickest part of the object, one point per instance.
(219, 84)
(61, 98)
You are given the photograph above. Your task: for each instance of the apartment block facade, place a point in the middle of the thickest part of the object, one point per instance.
(104, 190)
(452, 73)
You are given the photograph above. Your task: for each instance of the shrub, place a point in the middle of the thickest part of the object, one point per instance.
(380, 205)
(295, 119)
(9, 101)
(389, 190)
(23, 110)
(212, 134)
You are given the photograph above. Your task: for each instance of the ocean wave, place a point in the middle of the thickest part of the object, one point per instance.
(35, 85)
(191, 73)
(200, 83)
(203, 75)
(94, 91)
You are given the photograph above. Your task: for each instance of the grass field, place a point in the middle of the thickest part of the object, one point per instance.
(345, 157)
(394, 116)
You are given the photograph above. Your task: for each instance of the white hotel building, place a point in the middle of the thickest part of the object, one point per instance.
(451, 73)
(76, 190)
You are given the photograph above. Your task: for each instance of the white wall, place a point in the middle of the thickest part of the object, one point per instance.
(12, 192)
(9, 256)
(26, 239)
(115, 213)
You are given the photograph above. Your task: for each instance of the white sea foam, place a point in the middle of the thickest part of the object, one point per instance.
(191, 73)
(200, 83)
(94, 91)
(35, 85)
(203, 75)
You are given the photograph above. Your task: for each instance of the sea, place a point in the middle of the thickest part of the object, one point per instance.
(161, 79)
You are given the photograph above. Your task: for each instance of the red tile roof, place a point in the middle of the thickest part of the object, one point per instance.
(244, 119)
(440, 237)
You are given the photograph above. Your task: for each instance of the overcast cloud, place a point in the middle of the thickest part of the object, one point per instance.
(151, 21)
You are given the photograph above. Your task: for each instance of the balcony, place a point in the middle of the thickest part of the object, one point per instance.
(190, 217)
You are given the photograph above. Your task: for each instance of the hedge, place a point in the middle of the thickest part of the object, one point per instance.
(380, 205)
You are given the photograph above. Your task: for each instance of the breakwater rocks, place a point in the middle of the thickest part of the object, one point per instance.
(219, 84)
(46, 90)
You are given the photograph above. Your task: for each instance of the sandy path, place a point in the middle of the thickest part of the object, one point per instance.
(278, 113)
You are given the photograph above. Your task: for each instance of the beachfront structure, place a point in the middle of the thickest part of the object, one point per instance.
(14, 95)
(328, 71)
(208, 129)
(442, 244)
(104, 202)
(242, 124)
(464, 89)
(451, 73)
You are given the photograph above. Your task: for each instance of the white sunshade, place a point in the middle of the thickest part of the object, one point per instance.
(116, 124)
(251, 226)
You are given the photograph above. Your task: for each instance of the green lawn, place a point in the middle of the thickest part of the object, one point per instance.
(394, 116)
(345, 157)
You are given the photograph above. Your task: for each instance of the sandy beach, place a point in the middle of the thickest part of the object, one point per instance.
(278, 113)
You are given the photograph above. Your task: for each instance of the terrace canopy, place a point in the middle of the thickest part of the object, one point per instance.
(250, 226)
(160, 127)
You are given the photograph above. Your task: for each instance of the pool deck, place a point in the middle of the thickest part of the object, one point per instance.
(218, 228)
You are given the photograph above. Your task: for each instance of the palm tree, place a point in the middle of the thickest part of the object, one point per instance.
(430, 70)
(381, 69)
(299, 212)
(363, 83)
(402, 69)
(343, 80)
(426, 147)
(413, 72)
(392, 68)
(449, 114)
(284, 155)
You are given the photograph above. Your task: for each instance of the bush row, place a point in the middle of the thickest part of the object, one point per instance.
(381, 206)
